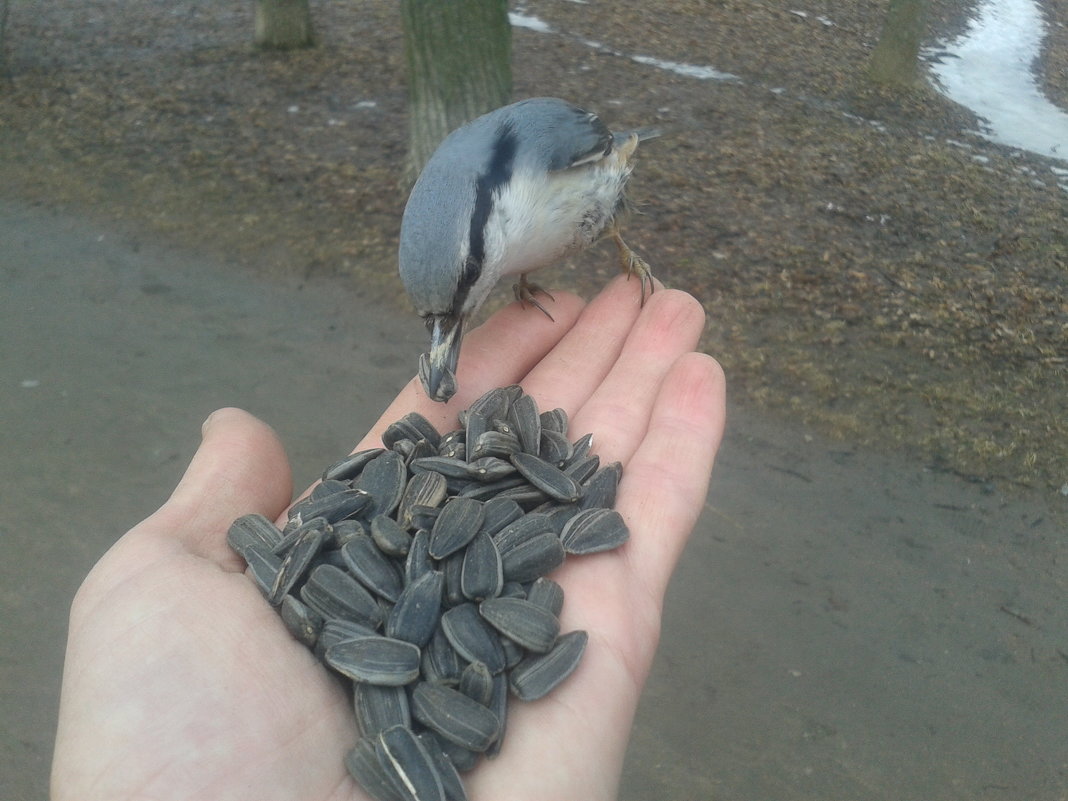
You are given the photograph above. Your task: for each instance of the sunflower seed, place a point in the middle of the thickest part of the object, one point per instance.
(472, 637)
(456, 526)
(364, 766)
(378, 708)
(554, 420)
(547, 594)
(581, 448)
(416, 427)
(453, 568)
(409, 765)
(418, 560)
(294, 532)
(425, 488)
(383, 479)
(476, 682)
(262, 566)
(594, 530)
(390, 536)
(372, 568)
(527, 623)
(474, 427)
(418, 609)
(499, 706)
(450, 777)
(424, 516)
(448, 467)
(601, 487)
(333, 507)
(447, 383)
(521, 530)
(495, 403)
(549, 478)
(479, 491)
(528, 497)
(498, 513)
(344, 530)
(377, 660)
(328, 486)
(534, 558)
(252, 529)
(481, 576)
(453, 445)
(454, 716)
(338, 630)
(352, 465)
(494, 443)
(582, 469)
(490, 468)
(524, 416)
(441, 663)
(538, 675)
(333, 593)
(303, 623)
(295, 563)
(555, 447)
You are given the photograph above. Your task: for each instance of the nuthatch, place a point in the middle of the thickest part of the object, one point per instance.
(507, 193)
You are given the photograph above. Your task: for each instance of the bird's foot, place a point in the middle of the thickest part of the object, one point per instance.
(633, 264)
(525, 292)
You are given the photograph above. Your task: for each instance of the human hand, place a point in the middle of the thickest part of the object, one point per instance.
(181, 682)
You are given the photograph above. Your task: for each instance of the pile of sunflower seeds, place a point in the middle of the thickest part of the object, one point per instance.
(417, 572)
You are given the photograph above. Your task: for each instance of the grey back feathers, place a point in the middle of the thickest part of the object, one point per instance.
(442, 243)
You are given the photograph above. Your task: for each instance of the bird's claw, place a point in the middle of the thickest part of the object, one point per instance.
(525, 292)
(633, 264)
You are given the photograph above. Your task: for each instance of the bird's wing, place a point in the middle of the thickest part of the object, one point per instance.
(560, 135)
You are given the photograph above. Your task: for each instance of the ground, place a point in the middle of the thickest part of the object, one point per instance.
(870, 267)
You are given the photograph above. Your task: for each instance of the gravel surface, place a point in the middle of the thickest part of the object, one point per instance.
(870, 267)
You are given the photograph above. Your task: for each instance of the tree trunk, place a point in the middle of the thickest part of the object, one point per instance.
(283, 24)
(894, 60)
(459, 66)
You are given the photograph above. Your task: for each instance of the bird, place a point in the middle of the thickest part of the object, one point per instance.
(503, 195)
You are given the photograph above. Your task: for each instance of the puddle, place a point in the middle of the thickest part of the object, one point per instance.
(988, 69)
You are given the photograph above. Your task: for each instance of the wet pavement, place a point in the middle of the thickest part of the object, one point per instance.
(843, 624)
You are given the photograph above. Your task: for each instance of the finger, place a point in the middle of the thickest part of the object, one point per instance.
(498, 353)
(239, 468)
(618, 410)
(664, 487)
(578, 363)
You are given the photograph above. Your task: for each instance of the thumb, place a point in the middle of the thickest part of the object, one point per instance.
(239, 468)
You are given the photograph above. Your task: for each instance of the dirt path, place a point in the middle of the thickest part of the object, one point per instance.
(843, 625)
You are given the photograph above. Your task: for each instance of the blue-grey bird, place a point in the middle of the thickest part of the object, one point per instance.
(505, 194)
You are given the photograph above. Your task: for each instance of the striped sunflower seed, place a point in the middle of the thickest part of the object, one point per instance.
(532, 626)
(450, 777)
(539, 674)
(252, 529)
(593, 531)
(303, 623)
(472, 637)
(372, 568)
(333, 593)
(378, 707)
(536, 557)
(481, 575)
(459, 521)
(549, 478)
(384, 479)
(418, 609)
(524, 416)
(295, 563)
(454, 716)
(408, 764)
(364, 766)
(352, 465)
(376, 660)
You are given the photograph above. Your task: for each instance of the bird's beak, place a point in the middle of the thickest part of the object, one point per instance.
(438, 371)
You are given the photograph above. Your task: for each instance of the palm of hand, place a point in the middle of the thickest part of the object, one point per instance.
(182, 683)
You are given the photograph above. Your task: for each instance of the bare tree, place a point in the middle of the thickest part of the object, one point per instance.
(459, 66)
(283, 24)
(894, 60)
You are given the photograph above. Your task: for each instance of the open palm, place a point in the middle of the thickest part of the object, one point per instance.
(181, 682)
